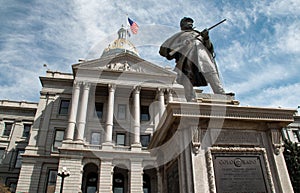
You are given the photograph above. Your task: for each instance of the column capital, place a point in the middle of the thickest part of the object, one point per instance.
(170, 94)
(137, 89)
(169, 90)
(111, 87)
(77, 84)
(161, 91)
(86, 85)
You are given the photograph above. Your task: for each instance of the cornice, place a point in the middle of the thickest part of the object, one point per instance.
(220, 111)
(181, 115)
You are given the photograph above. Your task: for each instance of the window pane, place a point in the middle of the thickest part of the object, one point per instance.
(95, 138)
(120, 139)
(51, 181)
(145, 116)
(145, 139)
(57, 144)
(59, 136)
(26, 130)
(19, 159)
(118, 190)
(121, 111)
(7, 129)
(99, 109)
(64, 107)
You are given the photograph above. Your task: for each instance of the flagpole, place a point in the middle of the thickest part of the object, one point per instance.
(126, 33)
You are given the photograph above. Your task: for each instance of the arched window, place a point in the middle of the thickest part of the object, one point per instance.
(118, 184)
(146, 184)
(90, 178)
(91, 182)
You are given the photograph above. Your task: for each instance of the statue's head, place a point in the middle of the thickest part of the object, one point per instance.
(186, 23)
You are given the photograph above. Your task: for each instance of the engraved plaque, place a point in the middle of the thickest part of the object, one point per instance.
(239, 174)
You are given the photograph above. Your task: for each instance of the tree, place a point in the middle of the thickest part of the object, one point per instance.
(292, 158)
(4, 189)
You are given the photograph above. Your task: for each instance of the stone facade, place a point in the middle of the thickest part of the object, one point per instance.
(16, 119)
(97, 122)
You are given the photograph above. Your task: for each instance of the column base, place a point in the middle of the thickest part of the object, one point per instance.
(107, 146)
(136, 147)
(70, 144)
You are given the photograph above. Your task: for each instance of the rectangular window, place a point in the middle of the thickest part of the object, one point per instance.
(7, 129)
(58, 138)
(145, 140)
(145, 116)
(121, 112)
(96, 138)
(64, 107)
(99, 109)
(2, 151)
(51, 182)
(120, 139)
(26, 130)
(19, 158)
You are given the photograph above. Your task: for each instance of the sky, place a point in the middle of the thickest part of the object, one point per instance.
(257, 48)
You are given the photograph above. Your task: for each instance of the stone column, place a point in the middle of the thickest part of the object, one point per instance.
(91, 105)
(106, 176)
(161, 98)
(73, 112)
(136, 176)
(83, 111)
(110, 113)
(30, 175)
(73, 182)
(137, 114)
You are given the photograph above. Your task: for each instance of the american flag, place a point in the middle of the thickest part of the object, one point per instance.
(133, 26)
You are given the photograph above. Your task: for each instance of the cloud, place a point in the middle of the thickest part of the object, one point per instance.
(280, 8)
(281, 96)
(287, 36)
(257, 47)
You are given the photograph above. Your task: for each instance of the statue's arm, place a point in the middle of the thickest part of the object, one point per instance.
(206, 41)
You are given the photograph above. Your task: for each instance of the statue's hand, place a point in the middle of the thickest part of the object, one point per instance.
(204, 34)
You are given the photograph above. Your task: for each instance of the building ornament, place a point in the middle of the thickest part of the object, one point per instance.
(119, 66)
(196, 139)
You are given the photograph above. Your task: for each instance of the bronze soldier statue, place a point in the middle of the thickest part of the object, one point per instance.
(194, 56)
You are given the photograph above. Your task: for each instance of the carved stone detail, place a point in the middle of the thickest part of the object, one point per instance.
(119, 66)
(276, 140)
(196, 139)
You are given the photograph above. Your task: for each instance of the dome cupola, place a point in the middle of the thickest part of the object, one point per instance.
(120, 45)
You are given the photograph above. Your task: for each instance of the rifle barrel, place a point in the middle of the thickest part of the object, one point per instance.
(216, 24)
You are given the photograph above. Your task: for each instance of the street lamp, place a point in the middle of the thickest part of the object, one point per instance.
(63, 173)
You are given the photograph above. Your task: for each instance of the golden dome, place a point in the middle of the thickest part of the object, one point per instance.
(120, 45)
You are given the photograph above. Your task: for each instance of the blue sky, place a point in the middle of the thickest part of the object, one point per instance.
(257, 48)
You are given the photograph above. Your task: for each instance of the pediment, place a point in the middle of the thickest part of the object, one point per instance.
(123, 62)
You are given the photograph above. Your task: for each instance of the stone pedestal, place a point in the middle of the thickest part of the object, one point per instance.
(217, 146)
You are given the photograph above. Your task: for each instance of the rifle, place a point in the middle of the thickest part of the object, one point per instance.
(216, 24)
(200, 33)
